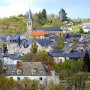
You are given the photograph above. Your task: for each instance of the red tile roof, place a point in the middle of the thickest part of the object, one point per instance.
(38, 33)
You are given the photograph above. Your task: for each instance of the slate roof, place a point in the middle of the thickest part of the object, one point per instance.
(26, 69)
(2, 37)
(1, 57)
(26, 43)
(44, 42)
(15, 39)
(15, 56)
(69, 35)
(49, 29)
(87, 27)
(72, 54)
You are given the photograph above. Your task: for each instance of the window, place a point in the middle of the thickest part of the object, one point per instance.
(60, 60)
(41, 78)
(25, 77)
(11, 77)
(18, 78)
(29, 23)
(19, 72)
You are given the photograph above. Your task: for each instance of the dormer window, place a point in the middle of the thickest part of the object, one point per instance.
(33, 72)
(19, 71)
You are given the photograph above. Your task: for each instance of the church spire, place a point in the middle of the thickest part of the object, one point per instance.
(29, 24)
(30, 15)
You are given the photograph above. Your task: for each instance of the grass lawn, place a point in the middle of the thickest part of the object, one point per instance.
(75, 28)
(47, 25)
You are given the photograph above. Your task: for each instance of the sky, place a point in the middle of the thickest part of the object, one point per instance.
(74, 8)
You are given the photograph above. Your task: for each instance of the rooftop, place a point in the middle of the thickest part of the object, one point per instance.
(38, 33)
(26, 69)
(49, 29)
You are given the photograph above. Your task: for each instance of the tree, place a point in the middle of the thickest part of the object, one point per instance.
(34, 47)
(44, 14)
(5, 50)
(42, 17)
(87, 60)
(81, 30)
(60, 43)
(43, 57)
(53, 86)
(27, 57)
(1, 67)
(62, 15)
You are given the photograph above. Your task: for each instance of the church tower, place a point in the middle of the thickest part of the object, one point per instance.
(29, 24)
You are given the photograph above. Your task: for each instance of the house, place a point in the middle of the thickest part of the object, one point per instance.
(11, 59)
(86, 27)
(72, 35)
(13, 44)
(2, 38)
(61, 56)
(7, 37)
(1, 57)
(25, 46)
(16, 45)
(57, 56)
(31, 70)
(44, 44)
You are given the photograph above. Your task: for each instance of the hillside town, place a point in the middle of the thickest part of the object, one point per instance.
(31, 55)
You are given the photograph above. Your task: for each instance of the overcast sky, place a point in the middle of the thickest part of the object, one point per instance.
(74, 8)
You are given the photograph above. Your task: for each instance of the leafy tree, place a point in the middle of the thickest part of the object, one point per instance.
(6, 84)
(27, 57)
(40, 18)
(62, 15)
(41, 56)
(34, 47)
(1, 67)
(87, 60)
(5, 49)
(28, 84)
(68, 68)
(60, 43)
(53, 86)
(9, 84)
(81, 30)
